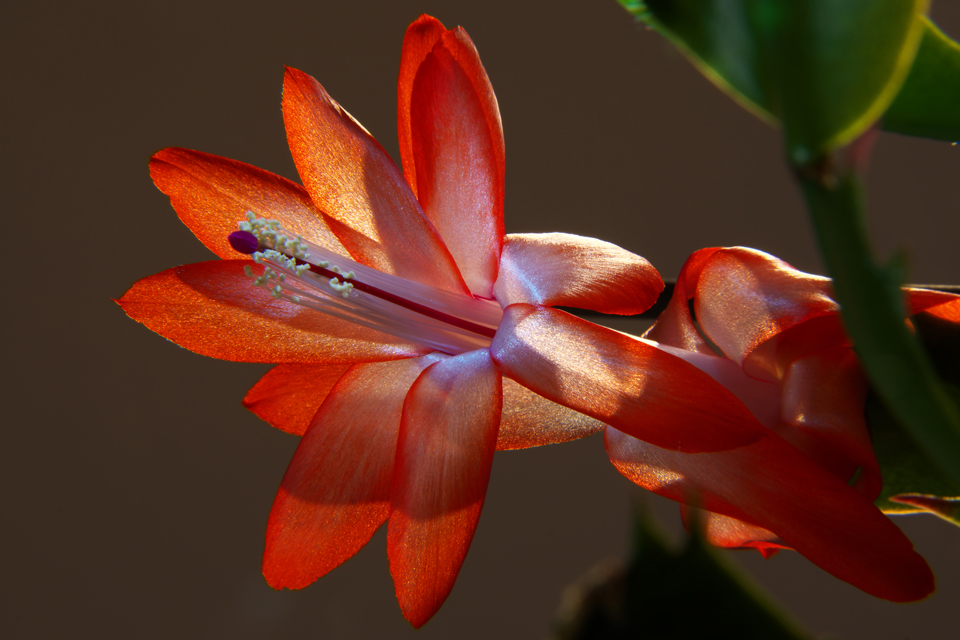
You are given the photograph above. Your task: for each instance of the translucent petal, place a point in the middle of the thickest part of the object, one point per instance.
(419, 40)
(530, 420)
(823, 412)
(336, 491)
(444, 455)
(770, 484)
(730, 533)
(559, 269)
(452, 147)
(745, 297)
(939, 303)
(289, 395)
(213, 308)
(675, 326)
(370, 207)
(212, 194)
(620, 380)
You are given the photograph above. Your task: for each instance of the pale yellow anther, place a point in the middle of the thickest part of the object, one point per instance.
(343, 288)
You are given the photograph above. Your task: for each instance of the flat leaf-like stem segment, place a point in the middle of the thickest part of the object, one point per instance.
(911, 482)
(826, 70)
(928, 104)
(873, 315)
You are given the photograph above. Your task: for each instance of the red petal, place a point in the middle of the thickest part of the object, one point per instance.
(770, 484)
(745, 297)
(211, 194)
(213, 308)
(761, 398)
(800, 340)
(822, 404)
(529, 420)
(559, 269)
(620, 380)
(352, 179)
(939, 303)
(675, 326)
(289, 395)
(730, 533)
(445, 451)
(452, 146)
(336, 492)
(418, 42)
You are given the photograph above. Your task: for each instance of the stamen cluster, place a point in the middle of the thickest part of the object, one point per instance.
(298, 271)
(269, 233)
(288, 253)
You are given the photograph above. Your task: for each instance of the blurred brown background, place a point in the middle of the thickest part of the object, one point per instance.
(135, 488)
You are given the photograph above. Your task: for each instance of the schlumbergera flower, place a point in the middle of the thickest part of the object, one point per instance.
(814, 474)
(380, 295)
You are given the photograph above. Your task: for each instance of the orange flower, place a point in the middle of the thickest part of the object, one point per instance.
(379, 293)
(814, 477)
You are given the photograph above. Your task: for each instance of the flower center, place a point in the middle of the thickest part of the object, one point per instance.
(309, 275)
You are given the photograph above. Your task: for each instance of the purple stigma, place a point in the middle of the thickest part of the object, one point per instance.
(244, 242)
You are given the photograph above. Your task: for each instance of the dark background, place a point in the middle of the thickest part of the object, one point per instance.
(135, 488)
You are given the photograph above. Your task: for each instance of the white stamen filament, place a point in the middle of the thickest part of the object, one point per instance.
(293, 281)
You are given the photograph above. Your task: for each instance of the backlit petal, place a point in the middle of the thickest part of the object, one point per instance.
(760, 397)
(336, 491)
(351, 178)
(770, 484)
(817, 407)
(213, 308)
(211, 194)
(939, 303)
(675, 326)
(452, 146)
(620, 380)
(419, 40)
(823, 407)
(730, 533)
(444, 454)
(950, 312)
(289, 395)
(765, 314)
(559, 269)
(745, 297)
(530, 420)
